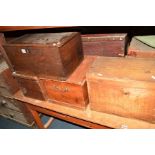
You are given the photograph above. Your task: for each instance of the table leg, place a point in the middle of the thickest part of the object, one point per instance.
(37, 119)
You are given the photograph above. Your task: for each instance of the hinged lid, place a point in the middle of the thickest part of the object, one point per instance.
(54, 39)
(123, 69)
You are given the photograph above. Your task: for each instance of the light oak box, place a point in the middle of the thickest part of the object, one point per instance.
(123, 86)
(73, 91)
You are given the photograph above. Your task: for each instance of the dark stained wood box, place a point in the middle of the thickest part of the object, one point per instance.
(30, 86)
(123, 86)
(8, 85)
(73, 91)
(50, 55)
(114, 45)
(140, 50)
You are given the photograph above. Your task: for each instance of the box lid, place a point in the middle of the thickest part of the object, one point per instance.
(104, 37)
(123, 69)
(54, 39)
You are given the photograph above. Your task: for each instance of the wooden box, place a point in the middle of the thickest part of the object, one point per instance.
(104, 44)
(50, 55)
(8, 85)
(140, 50)
(15, 110)
(30, 86)
(73, 91)
(123, 86)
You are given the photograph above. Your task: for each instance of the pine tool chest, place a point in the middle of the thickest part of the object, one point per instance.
(123, 86)
(49, 55)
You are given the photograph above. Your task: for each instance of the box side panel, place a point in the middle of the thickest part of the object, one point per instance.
(71, 54)
(121, 99)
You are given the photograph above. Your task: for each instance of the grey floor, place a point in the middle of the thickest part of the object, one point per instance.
(56, 124)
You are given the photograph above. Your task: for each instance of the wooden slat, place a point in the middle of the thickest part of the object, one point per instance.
(48, 123)
(37, 118)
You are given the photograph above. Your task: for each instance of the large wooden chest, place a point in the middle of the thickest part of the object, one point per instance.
(30, 86)
(140, 50)
(105, 44)
(123, 86)
(73, 91)
(8, 85)
(51, 55)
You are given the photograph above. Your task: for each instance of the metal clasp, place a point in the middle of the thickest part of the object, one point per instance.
(24, 51)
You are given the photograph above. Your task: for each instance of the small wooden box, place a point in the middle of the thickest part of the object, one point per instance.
(105, 44)
(123, 86)
(8, 85)
(140, 50)
(30, 86)
(73, 91)
(47, 55)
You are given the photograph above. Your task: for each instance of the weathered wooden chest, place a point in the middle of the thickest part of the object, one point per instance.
(51, 55)
(73, 91)
(15, 110)
(123, 86)
(105, 44)
(8, 85)
(140, 50)
(30, 86)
